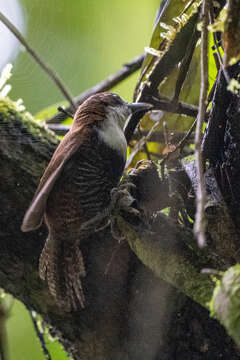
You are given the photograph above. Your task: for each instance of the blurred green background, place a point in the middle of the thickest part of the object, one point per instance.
(83, 41)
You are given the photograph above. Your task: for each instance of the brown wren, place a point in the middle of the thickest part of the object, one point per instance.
(75, 187)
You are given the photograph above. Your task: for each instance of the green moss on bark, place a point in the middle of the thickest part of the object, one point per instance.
(225, 302)
(11, 116)
(166, 255)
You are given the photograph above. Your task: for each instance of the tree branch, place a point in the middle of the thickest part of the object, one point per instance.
(200, 225)
(156, 136)
(105, 85)
(168, 105)
(55, 78)
(165, 253)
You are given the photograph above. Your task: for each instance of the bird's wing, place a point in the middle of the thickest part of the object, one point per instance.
(68, 146)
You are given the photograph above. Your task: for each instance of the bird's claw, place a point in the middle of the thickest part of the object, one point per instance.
(121, 202)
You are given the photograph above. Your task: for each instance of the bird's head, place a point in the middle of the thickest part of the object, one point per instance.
(107, 106)
(108, 113)
(119, 110)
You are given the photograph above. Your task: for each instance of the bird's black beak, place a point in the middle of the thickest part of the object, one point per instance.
(135, 107)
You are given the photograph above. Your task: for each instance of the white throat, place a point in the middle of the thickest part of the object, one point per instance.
(112, 134)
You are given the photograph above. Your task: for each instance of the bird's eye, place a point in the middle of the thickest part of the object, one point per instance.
(117, 99)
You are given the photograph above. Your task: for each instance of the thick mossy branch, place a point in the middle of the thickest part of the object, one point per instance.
(164, 251)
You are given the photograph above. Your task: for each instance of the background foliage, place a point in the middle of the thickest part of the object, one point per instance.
(83, 41)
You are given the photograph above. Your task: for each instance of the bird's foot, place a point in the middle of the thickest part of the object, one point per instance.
(122, 203)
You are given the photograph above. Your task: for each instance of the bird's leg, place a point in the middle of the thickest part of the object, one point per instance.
(95, 223)
(125, 186)
(121, 202)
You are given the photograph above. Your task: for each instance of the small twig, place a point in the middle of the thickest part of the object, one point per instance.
(165, 104)
(40, 336)
(165, 133)
(140, 144)
(36, 57)
(158, 136)
(216, 59)
(200, 223)
(186, 137)
(145, 145)
(189, 4)
(59, 129)
(67, 113)
(213, 88)
(105, 85)
(178, 149)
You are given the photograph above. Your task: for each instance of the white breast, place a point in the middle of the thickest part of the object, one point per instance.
(112, 134)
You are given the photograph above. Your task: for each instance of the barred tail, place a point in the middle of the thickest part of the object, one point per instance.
(62, 266)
